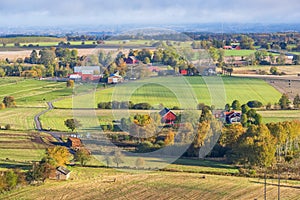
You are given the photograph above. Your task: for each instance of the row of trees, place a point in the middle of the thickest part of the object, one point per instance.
(123, 105)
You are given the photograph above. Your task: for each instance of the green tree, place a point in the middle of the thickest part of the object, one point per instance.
(72, 124)
(236, 105)
(246, 42)
(34, 57)
(274, 70)
(11, 179)
(40, 171)
(245, 108)
(284, 102)
(47, 57)
(296, 101)
(9, 101)
(82, 156)
(227, 107)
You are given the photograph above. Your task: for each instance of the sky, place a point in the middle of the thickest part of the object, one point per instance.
(98, 12)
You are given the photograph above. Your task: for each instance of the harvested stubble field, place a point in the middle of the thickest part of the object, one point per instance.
(97, 183)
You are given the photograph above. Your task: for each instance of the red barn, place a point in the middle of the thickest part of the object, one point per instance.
(167, 116)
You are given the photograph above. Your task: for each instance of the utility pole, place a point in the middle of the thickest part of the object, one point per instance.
(278, 182)
(265, 186)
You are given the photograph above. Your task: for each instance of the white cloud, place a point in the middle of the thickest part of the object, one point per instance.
(46, 12)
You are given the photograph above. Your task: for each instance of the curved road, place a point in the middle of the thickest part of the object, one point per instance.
(38, 124)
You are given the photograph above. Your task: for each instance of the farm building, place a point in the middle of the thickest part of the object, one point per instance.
(86, 73)
(115, 78)
(233, 117)
(227, 47)
(233, 47)
(62, 173)
(74, 142)
(183, 72)
(211, 71)
(132, 60)
(167, 116)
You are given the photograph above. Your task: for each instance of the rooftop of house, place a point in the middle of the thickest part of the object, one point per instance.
(63, 170)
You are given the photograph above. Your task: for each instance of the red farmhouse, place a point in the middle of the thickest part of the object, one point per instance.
(167, 116)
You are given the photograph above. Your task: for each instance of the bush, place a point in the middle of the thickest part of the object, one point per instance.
(70, 83)
(7, 127)
(142, 106)
(254, 104)
(176, 108)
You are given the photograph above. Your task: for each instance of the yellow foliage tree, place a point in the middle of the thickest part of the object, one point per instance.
(58, 155)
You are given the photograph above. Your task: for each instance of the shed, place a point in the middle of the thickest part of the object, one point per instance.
(62, 173)
(74, 142)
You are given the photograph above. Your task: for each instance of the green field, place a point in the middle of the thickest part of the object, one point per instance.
(279, 115)
(98, 183)
(171, 91)
(242, 52)
(32, 93)
(16, 146)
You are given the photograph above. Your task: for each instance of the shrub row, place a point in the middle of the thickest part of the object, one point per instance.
(124, 105)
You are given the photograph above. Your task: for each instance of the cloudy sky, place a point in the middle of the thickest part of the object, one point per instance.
(72, 12)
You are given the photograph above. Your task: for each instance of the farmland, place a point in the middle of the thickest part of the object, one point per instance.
(279, 115)
(32, 93)
(242, 89)
(18, 147)
(97, 183)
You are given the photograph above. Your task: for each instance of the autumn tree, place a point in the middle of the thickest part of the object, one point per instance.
(9, 101)
(2, 106)
(255, 147)
(72, 124)
(58, 156)
(230, 135)
(169, 140)
(70, 83)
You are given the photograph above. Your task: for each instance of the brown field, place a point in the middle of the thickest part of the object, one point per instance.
(13, 55)
(97, 183)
